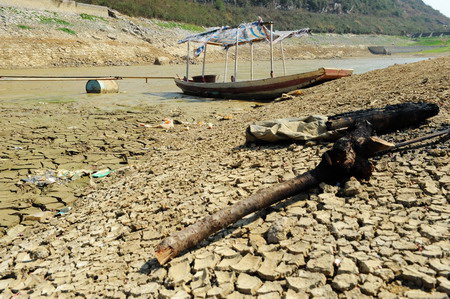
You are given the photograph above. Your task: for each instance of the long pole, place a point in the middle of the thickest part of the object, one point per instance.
(236, 55)
(282, 54)
(271, 50)
(187, 60)
(204, 61)
(226, 65)
(251, 61)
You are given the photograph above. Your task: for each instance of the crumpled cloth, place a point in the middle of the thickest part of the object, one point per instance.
(297, 129)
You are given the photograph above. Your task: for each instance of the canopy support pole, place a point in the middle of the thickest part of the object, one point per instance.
(282, 54)
(187, 61)
(226, 66)
(251, 61)
(271, 50)
(204, 61)
(236, 57)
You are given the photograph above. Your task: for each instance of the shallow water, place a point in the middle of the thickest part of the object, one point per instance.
(137, 91)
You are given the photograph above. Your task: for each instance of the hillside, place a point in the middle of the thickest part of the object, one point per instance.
(333, 16)
(37, 39)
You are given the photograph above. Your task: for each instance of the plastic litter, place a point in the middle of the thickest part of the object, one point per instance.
(49, 177)
(167, 124)
(42, 180)
(102, 173)
(64, 211)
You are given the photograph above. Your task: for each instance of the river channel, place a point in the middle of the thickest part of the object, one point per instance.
(137, 91)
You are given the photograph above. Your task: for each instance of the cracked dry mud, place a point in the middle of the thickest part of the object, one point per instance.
(387, 237)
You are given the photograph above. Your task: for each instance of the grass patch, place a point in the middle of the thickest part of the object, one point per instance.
(47, 20)
(433, 41)
(438, 50)
(85, 16)
(172, 25)
(67, 30)
(24, 27)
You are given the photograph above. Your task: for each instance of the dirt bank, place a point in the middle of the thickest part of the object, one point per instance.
(36, 39)
(386, 238)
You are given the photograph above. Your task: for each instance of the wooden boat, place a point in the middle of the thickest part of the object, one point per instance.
(259, 89)
(262, 89)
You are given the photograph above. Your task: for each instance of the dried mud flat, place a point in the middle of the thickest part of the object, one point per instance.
(387, 237)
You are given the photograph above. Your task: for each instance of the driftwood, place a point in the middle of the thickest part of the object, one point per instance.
(387, 119)
(348, 157)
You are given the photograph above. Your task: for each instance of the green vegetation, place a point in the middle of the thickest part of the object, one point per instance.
(67, 30)
(47, 20)
(398, 17)
(433, 41)
(172, 25)
(24, 27)
(91, 17)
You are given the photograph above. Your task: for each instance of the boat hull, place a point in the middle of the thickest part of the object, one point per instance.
(262, 89)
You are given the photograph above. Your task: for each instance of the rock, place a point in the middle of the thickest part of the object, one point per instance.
(443, 268)
(385, 274)
(299, 248)
(270, 287)
(369, 266)
(418, 278)
(352, 187)
(443, 285)
(40, 252)
(347, 266)
(291, 294)
(323, 217)
(200, 280)
(325, 292)
(323, 264)
(387, 295)
(404, 245)
(208, 260)
(278, 230)
(407, 200)
(435, 232)
(248, 284)
(432, 251)
(372, 285)
(179, 274)
(267, 269)
(23, 257)
(162, 60)
(344, 282)
(305, 281)
(248, 263)
(418, 294)
(273, 295)
(149, 288)
(355, 294)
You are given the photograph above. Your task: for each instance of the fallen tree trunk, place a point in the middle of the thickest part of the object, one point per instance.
(389, 118)
(348, 157)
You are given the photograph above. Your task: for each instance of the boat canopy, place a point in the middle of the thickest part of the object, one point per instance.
(227, 36)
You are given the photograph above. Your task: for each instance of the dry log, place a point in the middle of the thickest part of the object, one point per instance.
(348, 157)
(389, 118)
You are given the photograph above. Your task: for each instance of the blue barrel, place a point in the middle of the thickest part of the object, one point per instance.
(102, 86)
